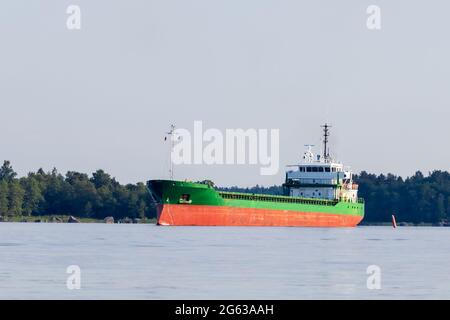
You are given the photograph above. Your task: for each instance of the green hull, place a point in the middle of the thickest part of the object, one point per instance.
(181, 196)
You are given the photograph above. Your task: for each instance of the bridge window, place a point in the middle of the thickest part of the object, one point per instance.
(302, 169)
(327, 169)
(333, 169)
(308, 169)
(315, 169)
(320, 169)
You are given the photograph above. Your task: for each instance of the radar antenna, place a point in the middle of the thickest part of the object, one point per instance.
(326, 133)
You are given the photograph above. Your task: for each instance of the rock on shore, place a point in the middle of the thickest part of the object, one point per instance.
(72, 219)
(109, 220)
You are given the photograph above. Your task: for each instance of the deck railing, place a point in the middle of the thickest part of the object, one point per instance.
(273, 198)
(282, 199)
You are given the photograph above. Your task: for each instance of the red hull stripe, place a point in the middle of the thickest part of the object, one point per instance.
(202, 215)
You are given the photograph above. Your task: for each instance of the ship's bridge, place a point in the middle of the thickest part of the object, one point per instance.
(320, 177)
(319, 173)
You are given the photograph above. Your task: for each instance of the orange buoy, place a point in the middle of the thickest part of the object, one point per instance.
(394, 223)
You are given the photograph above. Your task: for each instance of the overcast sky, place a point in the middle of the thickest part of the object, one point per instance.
(103, 96)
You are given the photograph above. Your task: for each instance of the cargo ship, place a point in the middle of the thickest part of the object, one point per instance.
(318, 192)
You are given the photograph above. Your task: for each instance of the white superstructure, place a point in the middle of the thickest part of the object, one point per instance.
(320, 176)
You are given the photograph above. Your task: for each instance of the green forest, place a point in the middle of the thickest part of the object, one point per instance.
(76, 194)
(416, 199)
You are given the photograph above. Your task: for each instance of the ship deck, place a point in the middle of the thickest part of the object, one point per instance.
(275, 198)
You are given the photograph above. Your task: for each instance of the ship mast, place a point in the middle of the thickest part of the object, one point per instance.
(326, 133)
(171, 134)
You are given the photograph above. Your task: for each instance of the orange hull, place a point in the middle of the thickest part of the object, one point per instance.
(203, 215)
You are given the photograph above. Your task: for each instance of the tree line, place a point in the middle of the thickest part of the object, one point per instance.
(416, 199)
(76, 194)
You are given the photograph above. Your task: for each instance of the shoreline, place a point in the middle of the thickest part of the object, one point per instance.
(67, 219)
(73, 219)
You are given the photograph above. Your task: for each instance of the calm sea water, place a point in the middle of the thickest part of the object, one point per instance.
(150, 262)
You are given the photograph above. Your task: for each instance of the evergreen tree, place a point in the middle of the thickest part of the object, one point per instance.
(4, 202)
(32, 197)
(6, 171)
(15, 198)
